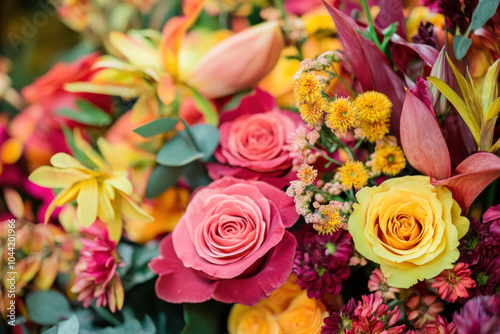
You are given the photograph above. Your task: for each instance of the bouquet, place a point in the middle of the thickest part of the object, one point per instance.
(239, 166)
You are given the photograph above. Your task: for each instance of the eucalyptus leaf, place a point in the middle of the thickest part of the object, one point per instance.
(484, 11)
(236, 100)
(156, 127)
(207, 137)
(76, 152)
(204, 318)
(47, 307)
(162, 178)
(71, 325)
(460, 46)
(178, 151)
(196, 175)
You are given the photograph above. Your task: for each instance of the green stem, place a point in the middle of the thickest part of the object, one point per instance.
(490, 197)
(373, 33)
(343, 145)
(281, 7)
(335, 74)
(325, 156)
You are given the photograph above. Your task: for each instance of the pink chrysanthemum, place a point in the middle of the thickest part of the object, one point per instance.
(378, 284)
(96, 276)
(440, 326)
(423, 309)
(480, 315)
(453, 283)
(373, 316)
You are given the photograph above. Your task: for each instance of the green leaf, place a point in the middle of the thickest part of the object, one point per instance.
(75, 151)
(162, 178)
(178, 151)
(460, 45)
(484, 11)
(47, 307)
(156, 127)
(67, 326)
(207, 137)
(203, 318)
(195, 175)
(87, 114)
(205, 107)
(236, 100)
(131, 324)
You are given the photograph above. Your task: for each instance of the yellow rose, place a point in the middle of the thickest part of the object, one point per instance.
(251, 320)
(408, 226)
(304, 316)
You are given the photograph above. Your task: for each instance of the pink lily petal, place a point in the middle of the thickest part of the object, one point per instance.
(369, 64)
(422, 140)
(471, 177)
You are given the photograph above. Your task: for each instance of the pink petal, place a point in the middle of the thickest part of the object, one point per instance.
(471, 177)
(256, 102)
(422, 140)
(178, 284)
(391, 11)
(274, 273)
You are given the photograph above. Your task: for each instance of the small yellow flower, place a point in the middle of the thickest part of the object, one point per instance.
(389, 160)
(341, 115)
(101, 192)
(353, 174)
(374, 131)
(307, 174)
(373, 106)
(332, 220)
(312, 112)
(307, 88)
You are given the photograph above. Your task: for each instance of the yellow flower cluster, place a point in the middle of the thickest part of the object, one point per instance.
(307, 174)
(332, 220)
(286, 310)
(308, 96)
(374, 113)
(341, 115)
(353, 174)
(388, 159)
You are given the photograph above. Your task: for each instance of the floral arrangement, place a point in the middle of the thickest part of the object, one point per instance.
(254, 166)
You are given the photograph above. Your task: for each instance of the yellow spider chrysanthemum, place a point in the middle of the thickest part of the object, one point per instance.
(307, 174)
(341, 115)
(353, 174)
(389, 160)
(100, 192)
(307, 88)
(374, 131)
(312, 112)
(332, 220)
(373, 106)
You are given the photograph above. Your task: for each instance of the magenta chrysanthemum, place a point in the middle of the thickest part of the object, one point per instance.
(480, 315)
(96, 276)
(321, 261)
(453, 283)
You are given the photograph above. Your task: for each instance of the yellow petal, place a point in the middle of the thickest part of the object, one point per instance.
(110, 154)
(493, 109)
(495, 146)
(490, 87)
(120, 183)
(487, 132)
(116, 225)
(105, 210)
(85, 147)
(459, 104)
(11, 151)
(137, 50)
(105, 89)
(50, 177)
(131, 210)
(63, 160)
(87, 202)
(68, 195)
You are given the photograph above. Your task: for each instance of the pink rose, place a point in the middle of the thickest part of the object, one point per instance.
(252, 140)
(230, 245)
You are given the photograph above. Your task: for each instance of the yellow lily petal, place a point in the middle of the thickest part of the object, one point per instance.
(493, 110)
(63, 160)
(111, 154)
(115, 226)
(68, 195)
(459, 104)
(53, 204)
(468, 94)
(487, 131)
(50, 177)
(85, 147)
(495, 147)
(137, 50)
(106, 89)
(105, 210)
(490, 87)
(120, 183)
(132, 211)
(475, 109)
(87, 202)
